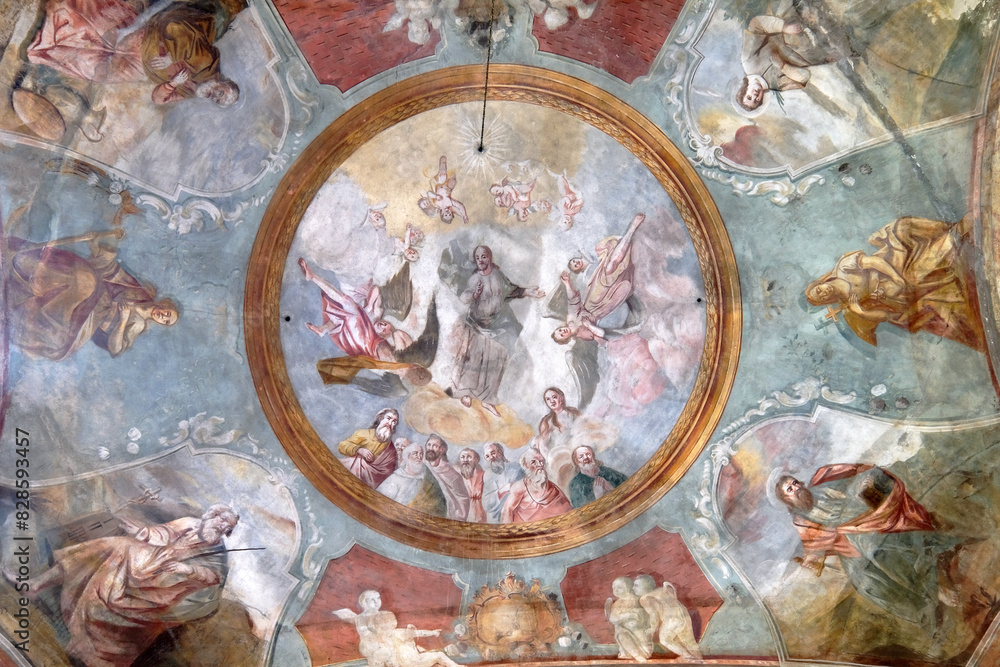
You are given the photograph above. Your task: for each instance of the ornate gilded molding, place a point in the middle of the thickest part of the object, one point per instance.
(577, 99)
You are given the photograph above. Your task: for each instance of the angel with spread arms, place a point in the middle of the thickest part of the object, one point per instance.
(610, 286)
(490, 330)
(515, 196)
(569, 205)
(438, 200)
(357, 325)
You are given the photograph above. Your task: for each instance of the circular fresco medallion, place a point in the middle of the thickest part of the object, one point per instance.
(492, 337)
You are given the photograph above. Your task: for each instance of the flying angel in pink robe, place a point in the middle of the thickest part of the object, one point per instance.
(356, 324)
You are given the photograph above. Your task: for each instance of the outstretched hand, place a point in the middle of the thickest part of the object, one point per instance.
(814, 564)
(180, 78)
(160, 62)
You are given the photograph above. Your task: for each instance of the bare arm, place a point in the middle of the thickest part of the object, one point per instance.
(571, 292)
(345, 614)
(766, 25)
(124, 330)
(513, 500)
(343, 300)
(425, 633)
(872, 314)
(594, 329)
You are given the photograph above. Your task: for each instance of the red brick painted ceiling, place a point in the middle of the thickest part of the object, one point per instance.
(343, 41)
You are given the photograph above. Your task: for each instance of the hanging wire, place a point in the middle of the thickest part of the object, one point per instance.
(486, 87)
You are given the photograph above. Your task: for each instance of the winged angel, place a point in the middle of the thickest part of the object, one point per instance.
(569, 205)
(355, 320)
(610, 286)
(643, 614)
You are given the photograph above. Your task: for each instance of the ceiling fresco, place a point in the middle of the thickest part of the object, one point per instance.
(407, 333)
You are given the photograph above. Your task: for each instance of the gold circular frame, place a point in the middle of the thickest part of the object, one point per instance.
(583, 101)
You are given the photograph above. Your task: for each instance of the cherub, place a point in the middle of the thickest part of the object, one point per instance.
(375, 216)
(577, 264)
(568, 206)
(422, 15)
(580, 323)
(665, 612)
(405, 649)
(515, 196)
(609, 287)
(556, 12)
(439, 200)
(383, 644)
(408, 245)
(629, 620)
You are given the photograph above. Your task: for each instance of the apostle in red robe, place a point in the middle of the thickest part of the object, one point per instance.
(886, 541)
(534, 498)
(119, 593)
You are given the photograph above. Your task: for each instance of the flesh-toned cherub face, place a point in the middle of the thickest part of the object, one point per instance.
(416, 234)
(376, 219)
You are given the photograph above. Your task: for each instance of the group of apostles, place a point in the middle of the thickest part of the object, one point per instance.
(481, 488)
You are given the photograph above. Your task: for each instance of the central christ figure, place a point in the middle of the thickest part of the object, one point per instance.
(489, 332)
